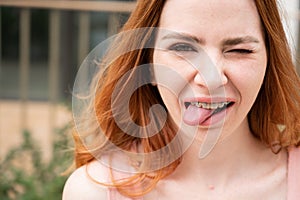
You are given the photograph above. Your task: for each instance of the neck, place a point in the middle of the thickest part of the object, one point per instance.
(231, 157)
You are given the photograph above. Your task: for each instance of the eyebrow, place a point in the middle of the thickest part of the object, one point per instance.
(183, 36)
(239, 40)
(225, 42)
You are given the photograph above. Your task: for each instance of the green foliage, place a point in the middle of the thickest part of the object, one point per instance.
(24, 175)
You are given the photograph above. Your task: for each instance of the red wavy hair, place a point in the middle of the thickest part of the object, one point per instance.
(277, 103)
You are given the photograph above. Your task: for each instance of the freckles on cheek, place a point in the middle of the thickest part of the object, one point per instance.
(250, 80)
(253, 71)
(168, 76)
(169, 79)
(245, 76)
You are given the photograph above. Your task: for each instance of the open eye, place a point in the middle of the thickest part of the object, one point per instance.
(182, 47)
(240, 51)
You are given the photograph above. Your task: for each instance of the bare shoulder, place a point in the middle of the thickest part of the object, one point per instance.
(80, 186)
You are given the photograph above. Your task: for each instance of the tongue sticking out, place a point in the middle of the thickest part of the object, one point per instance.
(195, 116)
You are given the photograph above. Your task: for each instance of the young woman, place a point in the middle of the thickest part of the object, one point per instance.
(222, 71)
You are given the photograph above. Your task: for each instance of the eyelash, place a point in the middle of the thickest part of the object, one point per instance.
(241, 51)
(182, 47)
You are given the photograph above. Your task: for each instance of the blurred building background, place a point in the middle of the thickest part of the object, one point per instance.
(42, 45)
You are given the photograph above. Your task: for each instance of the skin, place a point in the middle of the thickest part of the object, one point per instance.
(230, 71)
(239, 167)
(229, 35)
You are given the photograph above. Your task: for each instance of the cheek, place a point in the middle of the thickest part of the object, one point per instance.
(248, 80)
(169, 74)
(171, 102)
(171, 77)
(255, 77)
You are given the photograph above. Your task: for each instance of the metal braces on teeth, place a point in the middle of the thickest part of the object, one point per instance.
(209, 105)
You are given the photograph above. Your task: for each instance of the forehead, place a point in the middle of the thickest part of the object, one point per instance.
(220, 9)
(206, 17)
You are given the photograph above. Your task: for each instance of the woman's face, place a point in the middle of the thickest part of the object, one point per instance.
(217, 49)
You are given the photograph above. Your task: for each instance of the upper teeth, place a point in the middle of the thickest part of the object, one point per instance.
(209, 105)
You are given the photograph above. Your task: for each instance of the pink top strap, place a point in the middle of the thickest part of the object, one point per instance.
(294, 174)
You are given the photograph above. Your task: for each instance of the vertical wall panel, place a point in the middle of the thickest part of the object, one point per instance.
(24, 63)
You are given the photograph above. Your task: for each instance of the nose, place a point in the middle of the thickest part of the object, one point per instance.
(210, 74)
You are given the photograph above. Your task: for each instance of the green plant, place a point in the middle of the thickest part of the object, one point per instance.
(25, 175)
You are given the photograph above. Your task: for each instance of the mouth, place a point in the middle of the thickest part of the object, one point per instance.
(198, 112)
(216, 106)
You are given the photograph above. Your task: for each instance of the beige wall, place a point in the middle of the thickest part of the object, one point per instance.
(41, 119)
